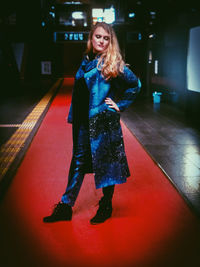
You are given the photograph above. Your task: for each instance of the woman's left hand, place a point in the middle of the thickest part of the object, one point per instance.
(112, 104)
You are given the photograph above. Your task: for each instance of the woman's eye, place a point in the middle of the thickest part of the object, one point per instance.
(98, 36)
(106, 38)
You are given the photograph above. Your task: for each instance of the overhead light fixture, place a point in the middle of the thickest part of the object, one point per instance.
(77, 15)
(107, 15)
(52, 14)
(131, 15)
(97, 12)
(72, 3)
(151, 35)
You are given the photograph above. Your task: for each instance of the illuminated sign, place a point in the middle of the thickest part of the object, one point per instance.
(71, 36)
(107, 15)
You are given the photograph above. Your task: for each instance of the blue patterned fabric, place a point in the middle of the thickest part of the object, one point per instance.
(109, 163)
(108, 156)
(79, 164)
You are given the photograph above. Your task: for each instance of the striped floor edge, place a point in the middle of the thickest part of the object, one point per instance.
(10, 150)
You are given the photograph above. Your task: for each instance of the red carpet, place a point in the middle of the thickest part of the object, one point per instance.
(151, 223)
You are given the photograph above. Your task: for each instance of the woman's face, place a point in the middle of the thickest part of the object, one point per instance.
(100, 40)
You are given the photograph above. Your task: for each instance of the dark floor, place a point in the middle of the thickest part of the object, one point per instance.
(17, 102)
(171, 140)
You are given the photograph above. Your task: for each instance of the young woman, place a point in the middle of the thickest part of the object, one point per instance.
(95, 115)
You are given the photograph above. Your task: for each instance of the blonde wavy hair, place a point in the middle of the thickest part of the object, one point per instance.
(110, 61)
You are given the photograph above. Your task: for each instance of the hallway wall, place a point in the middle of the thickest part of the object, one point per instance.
(170, 48)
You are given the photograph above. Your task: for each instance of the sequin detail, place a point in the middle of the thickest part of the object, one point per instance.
(107, 147)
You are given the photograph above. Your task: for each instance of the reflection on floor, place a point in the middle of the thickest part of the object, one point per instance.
(151, 225)
(172, 141)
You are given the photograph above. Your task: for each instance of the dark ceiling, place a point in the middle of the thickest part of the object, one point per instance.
(165, 9)
(177, 5)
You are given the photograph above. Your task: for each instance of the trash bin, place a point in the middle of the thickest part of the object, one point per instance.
(156, 97)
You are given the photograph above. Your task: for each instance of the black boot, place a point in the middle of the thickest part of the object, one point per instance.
(104, 211)
(61, 212)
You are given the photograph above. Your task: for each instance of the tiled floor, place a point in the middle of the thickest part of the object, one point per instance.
(17, 102)
(16, 133)
(172, 141)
